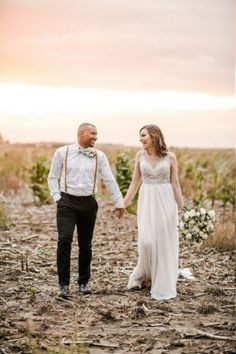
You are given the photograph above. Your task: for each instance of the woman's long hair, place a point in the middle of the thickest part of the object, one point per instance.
(157, 138)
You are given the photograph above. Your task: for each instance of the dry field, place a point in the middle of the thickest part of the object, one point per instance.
(111, 320)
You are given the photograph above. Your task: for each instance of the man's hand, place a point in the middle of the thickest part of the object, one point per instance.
(119, 212)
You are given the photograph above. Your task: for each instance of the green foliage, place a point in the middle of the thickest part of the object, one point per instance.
(4, 219)
(124, 172)
(38, 178)
(198, 196)
(44, 252)
(32, 292)
(226, 194)
(208, 176)
(212, 188)
(223, 182)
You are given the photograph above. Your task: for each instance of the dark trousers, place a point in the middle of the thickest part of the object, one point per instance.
(82, 212)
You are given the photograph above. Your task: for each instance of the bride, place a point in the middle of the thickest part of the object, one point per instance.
(159, 196)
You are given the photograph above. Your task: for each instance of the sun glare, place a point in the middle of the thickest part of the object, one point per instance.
(22, 99)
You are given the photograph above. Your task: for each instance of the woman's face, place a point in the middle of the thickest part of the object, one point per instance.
(145, 139)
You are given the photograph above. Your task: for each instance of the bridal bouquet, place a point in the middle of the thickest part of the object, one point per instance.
(196, 224)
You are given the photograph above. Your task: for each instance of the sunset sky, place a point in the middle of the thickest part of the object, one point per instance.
(119, 65)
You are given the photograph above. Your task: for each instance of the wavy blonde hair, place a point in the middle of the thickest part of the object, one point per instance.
(157, 138)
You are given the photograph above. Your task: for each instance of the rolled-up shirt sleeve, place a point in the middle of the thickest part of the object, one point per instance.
(54, 176)
(109, 180)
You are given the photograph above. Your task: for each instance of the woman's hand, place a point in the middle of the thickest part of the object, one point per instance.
(119, 212)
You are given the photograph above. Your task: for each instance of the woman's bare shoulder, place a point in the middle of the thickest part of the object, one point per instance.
(139, 154)
(172, 155)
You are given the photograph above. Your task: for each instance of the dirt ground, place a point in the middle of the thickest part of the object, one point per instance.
(112, 319)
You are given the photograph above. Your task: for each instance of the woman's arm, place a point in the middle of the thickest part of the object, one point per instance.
(135, 183)
(174, 180)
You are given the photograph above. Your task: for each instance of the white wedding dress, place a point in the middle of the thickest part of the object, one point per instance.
(158, 242)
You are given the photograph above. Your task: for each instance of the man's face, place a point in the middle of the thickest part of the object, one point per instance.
(88, 136)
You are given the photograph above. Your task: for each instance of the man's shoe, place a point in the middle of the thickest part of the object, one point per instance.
(85, 289)
(64, 291)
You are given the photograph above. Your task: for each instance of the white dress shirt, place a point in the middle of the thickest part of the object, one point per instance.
(80, 173)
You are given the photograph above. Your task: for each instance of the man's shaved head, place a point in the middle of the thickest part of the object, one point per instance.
(84, 126)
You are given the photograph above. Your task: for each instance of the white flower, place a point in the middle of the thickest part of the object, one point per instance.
(210, 226)
(187, 215)
(202, 211)
(212, 214)
(196, 224)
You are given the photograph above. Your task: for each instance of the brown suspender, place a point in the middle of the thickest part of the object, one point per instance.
(67, 150)
(95, 172)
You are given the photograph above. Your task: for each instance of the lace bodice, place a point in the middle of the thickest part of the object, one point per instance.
(160, 173)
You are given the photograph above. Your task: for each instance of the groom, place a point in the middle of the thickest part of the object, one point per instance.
(72, 183)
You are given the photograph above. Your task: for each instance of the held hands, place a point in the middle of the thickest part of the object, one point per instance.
(119, 212)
